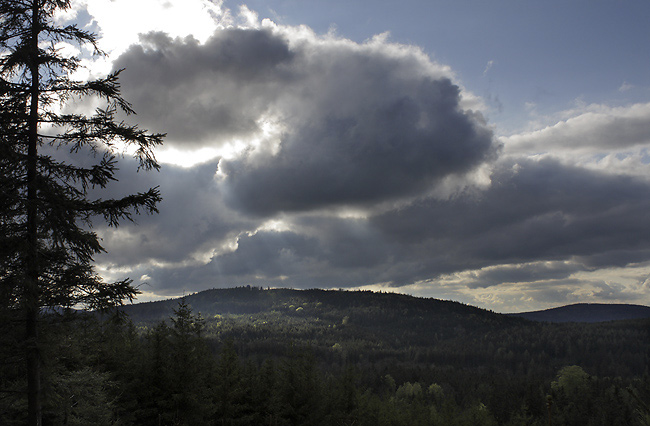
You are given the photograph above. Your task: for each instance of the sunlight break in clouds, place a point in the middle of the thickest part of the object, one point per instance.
(120, 22)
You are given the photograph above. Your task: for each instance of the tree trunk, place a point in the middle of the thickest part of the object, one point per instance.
(31, 295)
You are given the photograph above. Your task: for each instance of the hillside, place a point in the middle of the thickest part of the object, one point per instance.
(388, 331)
(588, 312)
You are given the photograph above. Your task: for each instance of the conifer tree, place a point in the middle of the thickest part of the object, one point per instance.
(47, 208)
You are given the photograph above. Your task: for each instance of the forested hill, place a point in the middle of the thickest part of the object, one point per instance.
(330, 305)
(588, 312)
(392, 331)
(252, 356)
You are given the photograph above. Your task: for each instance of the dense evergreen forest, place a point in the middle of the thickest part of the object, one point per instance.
(249, 356)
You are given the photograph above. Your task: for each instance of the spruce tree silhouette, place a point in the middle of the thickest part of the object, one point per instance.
(47, 210)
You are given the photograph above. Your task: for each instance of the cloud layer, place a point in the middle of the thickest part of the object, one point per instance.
(339, 164)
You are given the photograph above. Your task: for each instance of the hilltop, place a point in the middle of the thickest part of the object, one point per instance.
(588, 312)
(314, 302)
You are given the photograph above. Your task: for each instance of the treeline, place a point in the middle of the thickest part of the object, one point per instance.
(106, 372)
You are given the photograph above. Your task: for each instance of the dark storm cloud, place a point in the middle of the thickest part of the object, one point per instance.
(347, 243)
(356, 124)
(269, 254)
(204, 92)
(192, 220)
(539, 222)
(395, 146)
(527, 272)
(322, 252)
(275, 258)
(532, 211)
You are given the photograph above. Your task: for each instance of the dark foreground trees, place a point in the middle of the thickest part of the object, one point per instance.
(45, 206)
(107, 374)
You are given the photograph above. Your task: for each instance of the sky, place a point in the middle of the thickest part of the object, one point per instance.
(492, 153)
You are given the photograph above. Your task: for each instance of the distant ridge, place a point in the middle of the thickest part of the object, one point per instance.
(588, 312)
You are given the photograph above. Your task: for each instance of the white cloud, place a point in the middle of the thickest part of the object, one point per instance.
(625, 87)
(488, 67)
(249, 18)
(121, 22)
(590, 130)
